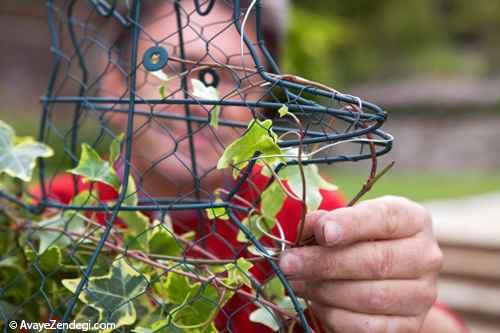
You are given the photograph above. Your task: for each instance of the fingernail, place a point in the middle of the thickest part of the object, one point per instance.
(290, 263)
(332, 232)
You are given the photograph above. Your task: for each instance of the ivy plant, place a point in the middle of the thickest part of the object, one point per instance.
(144, 278)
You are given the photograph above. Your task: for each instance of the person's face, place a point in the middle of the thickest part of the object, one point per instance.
(161, 150)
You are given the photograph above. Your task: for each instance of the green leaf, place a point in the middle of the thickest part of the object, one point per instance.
(160, 75)
(238, 273)
(7, 310)
(131, 197)
(177, 288)
(87, 314)
(136, 236)
(217, 212)
(265, 317)
(51, 259)
(199, 308)
(272, 200)
(314, 183)
(67, 221)
(209, 93)
(146, 329)
(214, 117)
(95, 169)
(115, 147)
(112, 295)
(83, 198)
(283, 111)
(253, 250)
(286, 303)
(257, 225)
(163, 242)
(12, 262)
(18, 155)
(161, 90)
(137, 222)
(258, 137)
(274, 289)
(196, 304)
(14, 274)
(157, 326)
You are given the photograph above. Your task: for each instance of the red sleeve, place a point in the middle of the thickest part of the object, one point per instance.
(235, 314)
(290, 215)
(452, 315)
(61, 188)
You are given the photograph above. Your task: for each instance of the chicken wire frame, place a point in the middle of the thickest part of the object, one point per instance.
(364, 119)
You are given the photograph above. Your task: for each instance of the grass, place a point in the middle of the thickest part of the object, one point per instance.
(421, 186)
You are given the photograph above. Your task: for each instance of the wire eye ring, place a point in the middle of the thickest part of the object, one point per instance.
(205, 11)
(214, 77)
(155, 58)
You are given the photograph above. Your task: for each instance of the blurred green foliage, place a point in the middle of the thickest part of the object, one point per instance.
(340, 42)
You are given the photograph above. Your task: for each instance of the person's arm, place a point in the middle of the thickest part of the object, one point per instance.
(374, 269)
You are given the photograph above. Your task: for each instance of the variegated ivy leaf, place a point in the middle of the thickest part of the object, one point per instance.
(258, 226)
(314, 183)
(112, 295)
(95, 169)
(68, 222)
(51, 259)
(136, 221)
(7, 310)
(115, 147)
(160, 75)
(272, 200)
(256, 252)
(162, 92)
(274, 289)
(283, 111)
(208, 93)
(18, 155)
(217, 212)
(259, 137)
(163, 77)
(196, 304)
(157, 326)
(238, 273)
(267, 317)
(162, 241)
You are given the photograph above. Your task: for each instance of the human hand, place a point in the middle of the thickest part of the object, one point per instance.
(374, 270)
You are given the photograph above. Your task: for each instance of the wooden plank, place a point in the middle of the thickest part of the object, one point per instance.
(476, 326)
(432, 92)
(469, 222)
(471, 296)
(471, 262)
(480, 324)
(476, 235)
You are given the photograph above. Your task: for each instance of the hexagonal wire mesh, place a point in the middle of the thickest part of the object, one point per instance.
(132, 67)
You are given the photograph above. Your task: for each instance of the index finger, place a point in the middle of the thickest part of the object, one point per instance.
(383, 218)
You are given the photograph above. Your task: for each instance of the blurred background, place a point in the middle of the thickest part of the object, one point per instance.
(434, 65)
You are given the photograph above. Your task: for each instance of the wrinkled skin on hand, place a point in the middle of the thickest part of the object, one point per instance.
(374, 269)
